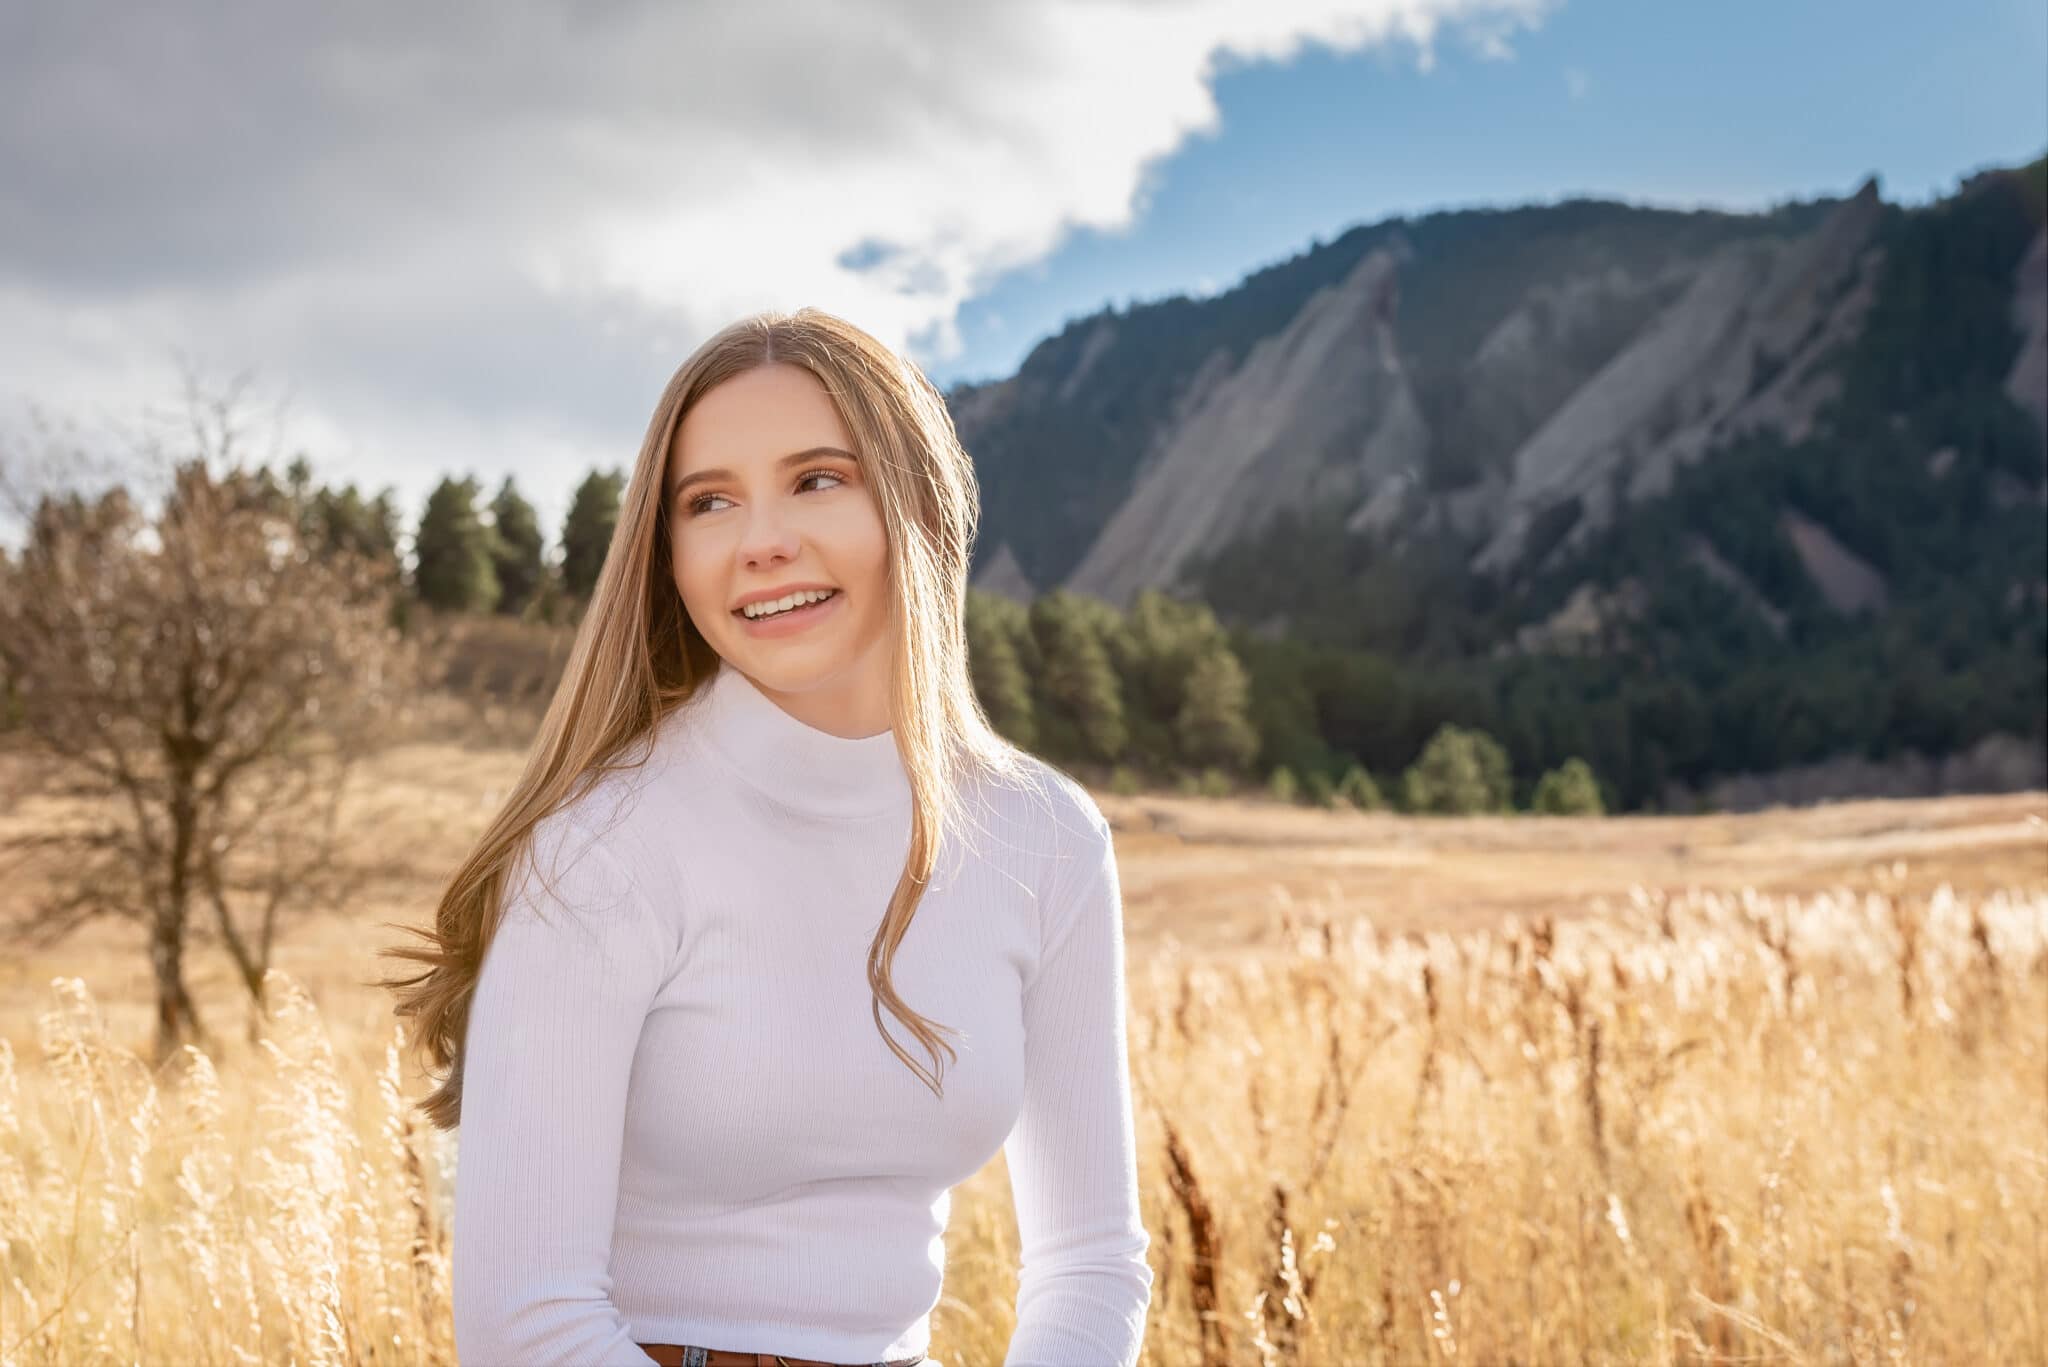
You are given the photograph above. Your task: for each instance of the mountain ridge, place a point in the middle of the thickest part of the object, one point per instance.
(1497, 385)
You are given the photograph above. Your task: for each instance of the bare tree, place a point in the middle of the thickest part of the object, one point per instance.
(201, 683)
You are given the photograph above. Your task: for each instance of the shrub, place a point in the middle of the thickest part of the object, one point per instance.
(1358, 789)
(1459, 772)
(1569, 790)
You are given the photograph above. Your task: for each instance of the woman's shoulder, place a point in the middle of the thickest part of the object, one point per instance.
(1047, 806)
(607, 814)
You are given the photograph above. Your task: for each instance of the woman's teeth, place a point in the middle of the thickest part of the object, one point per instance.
(777, 606)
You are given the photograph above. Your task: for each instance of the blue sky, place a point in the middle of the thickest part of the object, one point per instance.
(1738, 104)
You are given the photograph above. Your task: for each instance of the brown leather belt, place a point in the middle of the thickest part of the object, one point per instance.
(684, 1355)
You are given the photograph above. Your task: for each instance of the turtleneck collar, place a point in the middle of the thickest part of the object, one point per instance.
(792, 762)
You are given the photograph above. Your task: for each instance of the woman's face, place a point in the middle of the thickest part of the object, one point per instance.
(766, 498)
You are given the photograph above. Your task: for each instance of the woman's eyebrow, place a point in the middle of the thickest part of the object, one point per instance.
(793, 458)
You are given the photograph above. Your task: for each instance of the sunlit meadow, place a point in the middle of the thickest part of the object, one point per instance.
(1803, 1120)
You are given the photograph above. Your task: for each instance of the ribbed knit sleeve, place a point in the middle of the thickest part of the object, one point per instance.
(557, 1012)
(1083, 1285)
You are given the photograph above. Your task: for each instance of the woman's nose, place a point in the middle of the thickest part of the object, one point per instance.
(768, 533)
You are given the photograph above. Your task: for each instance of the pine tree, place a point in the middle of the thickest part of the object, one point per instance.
(587, 530)
(341, 521)
(1155, 649)
(1212, 728)
(381, 528)
(1081, 700)
(515, 549)
(298, 478)
(1000, 683)
(454, 572)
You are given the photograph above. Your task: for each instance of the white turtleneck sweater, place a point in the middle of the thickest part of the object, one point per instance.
(679, 1123)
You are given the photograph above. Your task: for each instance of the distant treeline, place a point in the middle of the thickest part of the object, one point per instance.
(467, 555)
(1165, 694)
(1161, 695)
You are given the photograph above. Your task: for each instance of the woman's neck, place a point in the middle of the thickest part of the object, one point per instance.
(800, 765)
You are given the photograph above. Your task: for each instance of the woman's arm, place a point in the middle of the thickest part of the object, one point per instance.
(1084, 1286)
(565, 985)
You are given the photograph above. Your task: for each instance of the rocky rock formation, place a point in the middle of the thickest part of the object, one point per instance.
(1319, 412)
(1848, 581)
(1736, 353)
(2028, 381)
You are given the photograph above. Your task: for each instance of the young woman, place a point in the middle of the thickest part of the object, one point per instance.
(765, 808)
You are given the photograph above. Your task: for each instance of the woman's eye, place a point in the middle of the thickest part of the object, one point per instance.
(697, 503)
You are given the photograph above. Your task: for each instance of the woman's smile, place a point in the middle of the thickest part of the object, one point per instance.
(791, 622)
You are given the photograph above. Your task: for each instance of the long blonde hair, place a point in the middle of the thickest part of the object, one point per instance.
(637, 656)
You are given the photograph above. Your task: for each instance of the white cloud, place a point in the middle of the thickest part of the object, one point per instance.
(482, 236)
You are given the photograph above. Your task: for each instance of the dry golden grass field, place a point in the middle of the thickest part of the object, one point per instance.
(1759, 1088)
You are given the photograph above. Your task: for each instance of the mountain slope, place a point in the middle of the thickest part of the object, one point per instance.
(1062, 446)
(1485, 389)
